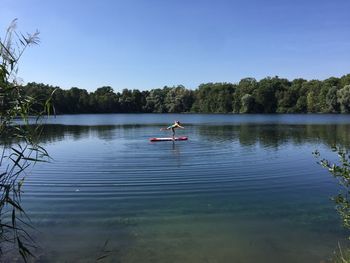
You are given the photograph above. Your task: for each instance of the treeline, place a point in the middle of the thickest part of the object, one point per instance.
(269, 95)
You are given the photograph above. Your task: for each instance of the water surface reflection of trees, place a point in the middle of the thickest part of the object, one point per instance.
(274, 135)
(270, 135)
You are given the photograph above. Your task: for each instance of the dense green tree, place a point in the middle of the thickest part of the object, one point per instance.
(214, 98)
(155, 101)
(74, 100)
(178, 99)
(225, 98)
(286, 100)
(344, 99)
(248, 104)
(131, 101)
(301, 105)
(269, 95)
(313, 90)
(265, 94)
(325, 95)
(126, 102)
(202, 99)
(138, 100)
(344, 80)
(332, 100)
(104, 100)
(245, 86)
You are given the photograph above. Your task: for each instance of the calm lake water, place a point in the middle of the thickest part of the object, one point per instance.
(243, 188)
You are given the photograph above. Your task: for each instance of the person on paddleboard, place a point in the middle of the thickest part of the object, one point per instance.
(176, 125)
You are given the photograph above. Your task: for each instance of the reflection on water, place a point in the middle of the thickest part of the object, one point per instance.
(271, 135)
(232, 193)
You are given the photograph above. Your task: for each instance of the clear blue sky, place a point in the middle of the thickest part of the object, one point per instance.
(147, 44)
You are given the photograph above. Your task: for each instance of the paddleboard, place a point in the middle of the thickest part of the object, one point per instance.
(183, 138)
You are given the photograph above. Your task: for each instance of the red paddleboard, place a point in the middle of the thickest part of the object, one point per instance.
(184, 138)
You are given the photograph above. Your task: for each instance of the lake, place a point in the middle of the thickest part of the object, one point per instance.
(243, 188)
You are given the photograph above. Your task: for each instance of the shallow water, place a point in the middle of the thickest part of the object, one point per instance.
(242, 189)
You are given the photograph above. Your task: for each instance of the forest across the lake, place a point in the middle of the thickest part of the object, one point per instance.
(269, 95)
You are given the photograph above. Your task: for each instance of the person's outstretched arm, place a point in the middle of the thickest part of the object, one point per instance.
(167, 128)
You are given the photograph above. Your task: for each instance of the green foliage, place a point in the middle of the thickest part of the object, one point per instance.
(266, 93)
(214, 98)
(131, 101)
(340, 171)
(344, 99)
(286, 99)
(344, 80)
(155, 101)
(269, 95)
(245, 86)
(178, 99)
(313, 88)
(103, 100)
(332, 100)
(15, 126)
(248, 104)
(341, 255)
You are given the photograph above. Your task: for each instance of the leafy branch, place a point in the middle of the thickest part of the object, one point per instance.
(17, 125)
(341, 171)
